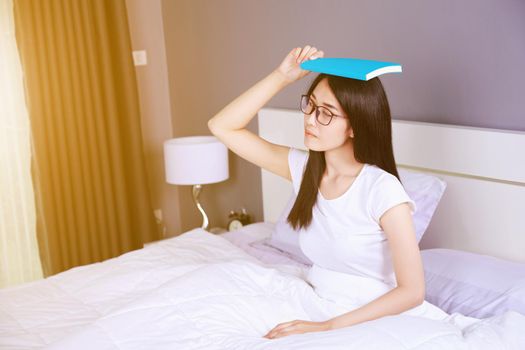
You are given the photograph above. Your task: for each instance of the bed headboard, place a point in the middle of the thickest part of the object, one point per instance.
(483, 207)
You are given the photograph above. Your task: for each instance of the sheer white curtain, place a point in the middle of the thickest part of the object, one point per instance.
(19, 256)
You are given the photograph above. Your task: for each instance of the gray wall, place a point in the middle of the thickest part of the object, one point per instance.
(462, 64)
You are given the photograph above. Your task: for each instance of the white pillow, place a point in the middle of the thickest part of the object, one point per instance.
(425, 190)
(473, 284)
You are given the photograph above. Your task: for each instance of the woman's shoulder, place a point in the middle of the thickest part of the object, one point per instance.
(379, 180)
(297, 163)
(297, 157)
(298, 152)
(385, 191)
(377, 175)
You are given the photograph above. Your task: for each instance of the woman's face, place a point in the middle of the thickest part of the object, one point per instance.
(319, 137)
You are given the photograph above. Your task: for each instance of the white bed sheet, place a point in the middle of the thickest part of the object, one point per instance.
(246, 236)
(200, 291)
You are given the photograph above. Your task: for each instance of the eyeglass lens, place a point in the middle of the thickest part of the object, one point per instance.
(322, 114)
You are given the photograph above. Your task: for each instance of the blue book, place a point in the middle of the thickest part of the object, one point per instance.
(354, 68)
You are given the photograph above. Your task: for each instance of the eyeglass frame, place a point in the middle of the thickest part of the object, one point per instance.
(317, 111)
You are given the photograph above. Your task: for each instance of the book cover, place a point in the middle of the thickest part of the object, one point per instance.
(354, 68)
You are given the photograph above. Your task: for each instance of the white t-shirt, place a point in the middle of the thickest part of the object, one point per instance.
(352, 264)
(345, 235)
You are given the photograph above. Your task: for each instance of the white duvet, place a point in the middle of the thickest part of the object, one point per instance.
(199, 291)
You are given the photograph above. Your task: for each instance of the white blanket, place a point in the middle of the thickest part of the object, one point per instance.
(199, 291)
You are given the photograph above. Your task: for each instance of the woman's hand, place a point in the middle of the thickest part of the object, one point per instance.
(297, 327)
(290, 67)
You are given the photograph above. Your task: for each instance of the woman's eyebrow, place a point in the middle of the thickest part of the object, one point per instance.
(326, 104)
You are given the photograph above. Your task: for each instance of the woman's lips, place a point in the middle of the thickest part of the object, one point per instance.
(309, 134)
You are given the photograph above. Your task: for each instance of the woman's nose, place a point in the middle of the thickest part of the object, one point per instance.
(311, 118)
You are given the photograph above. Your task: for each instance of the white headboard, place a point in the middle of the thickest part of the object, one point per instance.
(483, 207)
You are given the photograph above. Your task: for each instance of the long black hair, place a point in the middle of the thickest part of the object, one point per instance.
(366, 105)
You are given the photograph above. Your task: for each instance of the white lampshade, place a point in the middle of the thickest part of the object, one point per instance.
(195, 160)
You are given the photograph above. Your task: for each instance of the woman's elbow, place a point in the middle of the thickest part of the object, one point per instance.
(414, 295)
(211, 126)
(214, 129)
(418, 296)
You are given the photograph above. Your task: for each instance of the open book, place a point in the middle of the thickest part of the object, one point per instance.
(351, 67)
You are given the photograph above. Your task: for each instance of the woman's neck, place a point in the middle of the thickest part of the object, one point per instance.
(340, 161)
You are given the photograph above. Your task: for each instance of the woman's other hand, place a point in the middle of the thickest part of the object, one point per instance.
(297, 327)
(290, 67)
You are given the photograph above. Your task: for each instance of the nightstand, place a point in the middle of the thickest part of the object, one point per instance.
(217, 230)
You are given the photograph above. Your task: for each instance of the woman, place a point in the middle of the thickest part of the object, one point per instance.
(355, 218)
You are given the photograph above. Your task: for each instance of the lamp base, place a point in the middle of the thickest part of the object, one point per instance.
(196, 192)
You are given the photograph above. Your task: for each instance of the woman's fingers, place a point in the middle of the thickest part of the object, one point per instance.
(295, 52)
(283, 331)
(311, 52)
(317, 54)
(303, 53)
(280, 327)
(287, 326)
(308, 52)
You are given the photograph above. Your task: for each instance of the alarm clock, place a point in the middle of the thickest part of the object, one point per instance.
(238, 220)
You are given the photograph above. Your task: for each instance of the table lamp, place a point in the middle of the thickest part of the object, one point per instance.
(196, 160)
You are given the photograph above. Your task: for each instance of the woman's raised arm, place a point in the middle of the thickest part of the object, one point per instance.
(229, 125)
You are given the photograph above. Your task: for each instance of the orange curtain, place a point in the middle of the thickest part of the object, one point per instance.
(88, 163)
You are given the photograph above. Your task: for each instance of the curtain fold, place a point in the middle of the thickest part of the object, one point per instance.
(88, 166)
(19, 255)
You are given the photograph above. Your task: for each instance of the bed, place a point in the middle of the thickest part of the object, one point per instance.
(204, 291)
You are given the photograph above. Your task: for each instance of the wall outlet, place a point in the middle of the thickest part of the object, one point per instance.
(140, 58)
(158, 215)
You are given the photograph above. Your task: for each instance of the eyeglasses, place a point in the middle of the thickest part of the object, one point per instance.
(322, 114)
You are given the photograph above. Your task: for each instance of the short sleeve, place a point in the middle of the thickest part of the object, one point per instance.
(297, 162)
(386, 193)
